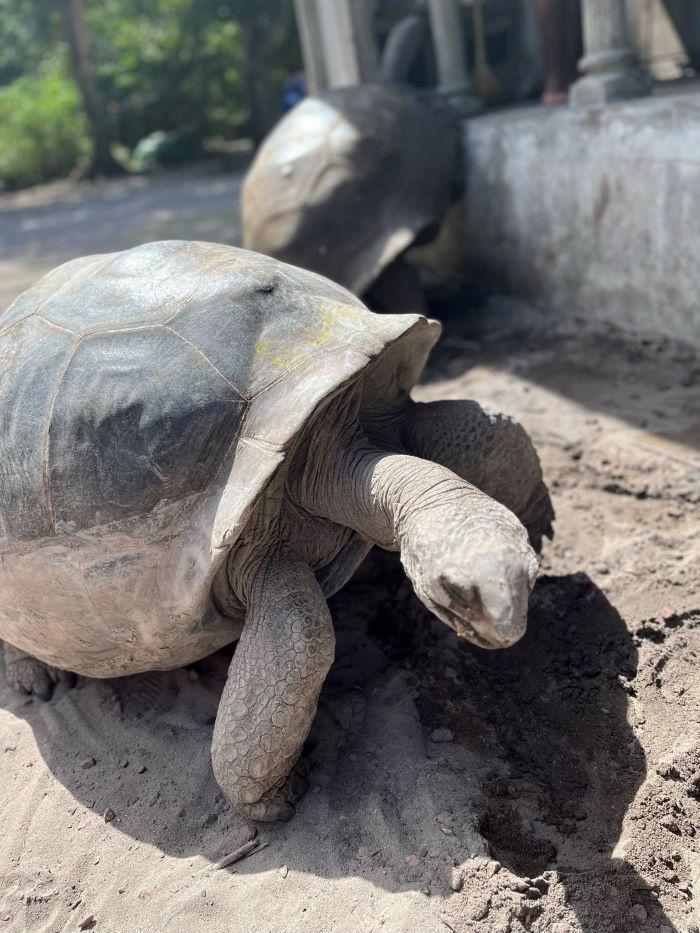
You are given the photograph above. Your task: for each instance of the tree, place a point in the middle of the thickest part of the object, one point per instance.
(75, 31)
(271, 51)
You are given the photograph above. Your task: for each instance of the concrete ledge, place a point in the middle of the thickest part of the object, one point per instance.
(593, 212)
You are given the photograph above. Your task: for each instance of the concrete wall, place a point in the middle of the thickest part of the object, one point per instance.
(593, 212)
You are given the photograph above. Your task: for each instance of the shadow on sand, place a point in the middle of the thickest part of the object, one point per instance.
(539, 775)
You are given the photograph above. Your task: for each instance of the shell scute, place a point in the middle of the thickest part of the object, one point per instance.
(139, 418)
(33, 358)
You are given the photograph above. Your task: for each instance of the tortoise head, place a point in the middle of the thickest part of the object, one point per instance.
(471, 569)
(467, 555)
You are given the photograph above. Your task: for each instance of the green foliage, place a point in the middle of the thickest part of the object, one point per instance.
(183, 65)
(42, 128)
(27, 30)
(168, 65)
(197, 68)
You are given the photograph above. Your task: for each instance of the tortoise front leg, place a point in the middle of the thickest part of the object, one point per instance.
(27, 674)
(491, 451)
(271, 693)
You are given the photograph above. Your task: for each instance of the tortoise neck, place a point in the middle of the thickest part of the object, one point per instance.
(383, 495)
(401, 49)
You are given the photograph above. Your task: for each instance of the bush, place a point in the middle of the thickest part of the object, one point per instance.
(43, 132)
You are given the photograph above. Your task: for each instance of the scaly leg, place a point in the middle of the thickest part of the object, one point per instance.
(271, 693)
(491, 451)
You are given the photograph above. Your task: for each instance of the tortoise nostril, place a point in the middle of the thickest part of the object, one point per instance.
(466, 597)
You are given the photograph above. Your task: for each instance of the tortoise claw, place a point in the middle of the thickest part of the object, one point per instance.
(280, 804)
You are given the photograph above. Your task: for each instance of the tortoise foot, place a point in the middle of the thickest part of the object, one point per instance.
(280, 804)
(29, 676)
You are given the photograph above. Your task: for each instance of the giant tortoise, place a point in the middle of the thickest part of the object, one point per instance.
(198, 445)
(346, 182)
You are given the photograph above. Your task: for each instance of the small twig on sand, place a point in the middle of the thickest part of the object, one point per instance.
(245, 850)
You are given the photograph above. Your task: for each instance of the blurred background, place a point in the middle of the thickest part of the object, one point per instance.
(84, 82)
(128, 120)
(93, 87)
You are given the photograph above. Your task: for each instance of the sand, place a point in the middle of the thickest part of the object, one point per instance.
(551, 787)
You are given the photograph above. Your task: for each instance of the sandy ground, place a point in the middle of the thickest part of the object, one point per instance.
(47, 225)
(554, 786)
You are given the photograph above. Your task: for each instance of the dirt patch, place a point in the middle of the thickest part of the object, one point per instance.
(554, 786)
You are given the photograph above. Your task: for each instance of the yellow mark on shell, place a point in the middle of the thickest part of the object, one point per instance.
(277, 353)
(286, 357)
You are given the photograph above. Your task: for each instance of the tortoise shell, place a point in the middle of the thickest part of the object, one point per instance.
(147, 398)
(348, 180)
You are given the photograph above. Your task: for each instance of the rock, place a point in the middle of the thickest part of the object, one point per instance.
(88, 923)
(284, 871)
(456, 881)
(88, 763)
(441, 735)
(638, 912)
(141, 769)
(249, 832)
(109, 815)
(670, 824)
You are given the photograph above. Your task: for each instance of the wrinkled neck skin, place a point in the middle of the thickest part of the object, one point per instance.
(467, 556)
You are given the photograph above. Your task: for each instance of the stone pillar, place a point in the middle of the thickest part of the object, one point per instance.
(610, 68)
(365, 37)
(311, 45)
(448, 41)
(346, 32)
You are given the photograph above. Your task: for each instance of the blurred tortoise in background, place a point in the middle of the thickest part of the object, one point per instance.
(199, 444)
(349, 179)
(346, 182)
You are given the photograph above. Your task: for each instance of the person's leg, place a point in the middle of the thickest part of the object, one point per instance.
(558, 22)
